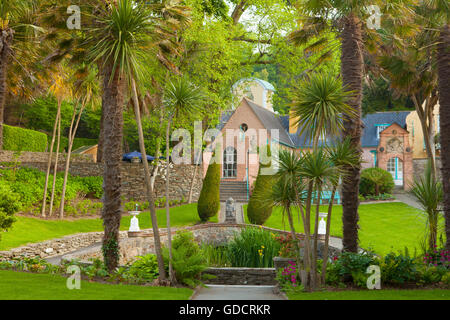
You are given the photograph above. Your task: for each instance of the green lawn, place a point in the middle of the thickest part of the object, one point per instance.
(383, 226)
(28, 286)
(27, 230)
(374, 295)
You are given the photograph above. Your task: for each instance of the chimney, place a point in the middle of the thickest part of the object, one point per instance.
(292, 122)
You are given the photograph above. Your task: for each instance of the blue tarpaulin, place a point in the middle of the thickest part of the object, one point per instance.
(131, 155)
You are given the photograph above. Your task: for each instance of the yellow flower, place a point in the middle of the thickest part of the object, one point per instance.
(262, 247)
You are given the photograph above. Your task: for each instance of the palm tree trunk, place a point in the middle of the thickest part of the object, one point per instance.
(427, 123)
(72, 132)
(294, 238)
(6, 38)
(49, 164)
(55, 168)
(444, 101)
(316, 238)
(352, 73)
(307, 258)
(101, 137)
(327, 236)
(169, 233)
(148, 187)
(112, 102)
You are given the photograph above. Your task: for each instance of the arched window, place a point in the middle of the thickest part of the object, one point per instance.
(230, 163)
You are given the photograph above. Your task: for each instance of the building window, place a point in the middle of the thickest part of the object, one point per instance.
(380, 128)
(230, 163)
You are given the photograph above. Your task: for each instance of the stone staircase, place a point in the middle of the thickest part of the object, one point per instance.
(234, 189)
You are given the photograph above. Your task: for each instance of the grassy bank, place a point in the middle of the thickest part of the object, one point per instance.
(383, 226)
(28, 230)
(28, 286)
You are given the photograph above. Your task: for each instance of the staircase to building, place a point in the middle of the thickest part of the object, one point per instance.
(234, 189)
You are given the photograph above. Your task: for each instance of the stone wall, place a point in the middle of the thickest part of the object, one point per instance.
(42, 157)
(242, 276)
(142, 243)
(419, 166)
(58, 246)
(132, 175)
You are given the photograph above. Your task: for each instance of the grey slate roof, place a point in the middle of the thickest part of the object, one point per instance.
(273, 121)
(369, 138)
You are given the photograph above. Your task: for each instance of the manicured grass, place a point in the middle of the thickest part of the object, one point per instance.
(437, 294)
(27, 230)
(384, 227)
(28, 286)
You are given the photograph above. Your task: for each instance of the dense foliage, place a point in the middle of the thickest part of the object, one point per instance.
(19, 139)
(258, 211)
(253, 248)
(26, 186)
(188, 261)
(375, 181)
(209, 200)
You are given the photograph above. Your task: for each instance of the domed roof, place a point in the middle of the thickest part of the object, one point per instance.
(266, 85)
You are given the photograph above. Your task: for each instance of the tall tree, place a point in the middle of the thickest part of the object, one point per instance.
(14, 34)
(442, 8)
(348, 19)
(182, 100)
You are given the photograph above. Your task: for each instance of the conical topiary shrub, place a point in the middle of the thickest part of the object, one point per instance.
(258, 211)
(209, 200)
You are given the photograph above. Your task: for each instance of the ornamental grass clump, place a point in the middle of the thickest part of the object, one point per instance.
(253, 248)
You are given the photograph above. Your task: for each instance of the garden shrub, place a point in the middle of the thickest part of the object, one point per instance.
(144, 268)
(350, 266)
(19, 139)
(431, 274)
(215, 256)
(188, 261)
(398, 269)
(9, 204)
(253, 248)
(209, 200)
(27, 185)
(375, 181)
(258, 211)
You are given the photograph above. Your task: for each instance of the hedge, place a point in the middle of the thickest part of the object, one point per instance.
(209, 200)
(77, 143)
(20, 139)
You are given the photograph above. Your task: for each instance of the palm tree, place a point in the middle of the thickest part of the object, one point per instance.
(319, 107)
(341, 155)
(442, 11)
(86, 93)
(182, 100)
(347, 19)
(429, 194)
(318, 172)
(119, 40)
(14, 35)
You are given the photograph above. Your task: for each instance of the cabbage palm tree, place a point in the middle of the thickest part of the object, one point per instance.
(442, 14)
(346, 18)
(319, 106)
(318, 172)
(182, 100)
(15, 34)
(341, 155)
(119, 40)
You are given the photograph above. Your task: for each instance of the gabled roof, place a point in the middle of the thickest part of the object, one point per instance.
(271, 121)
(369, 138)
(266, 85)
(84, 149)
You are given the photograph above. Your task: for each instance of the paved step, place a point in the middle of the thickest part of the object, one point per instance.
(233, 189)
